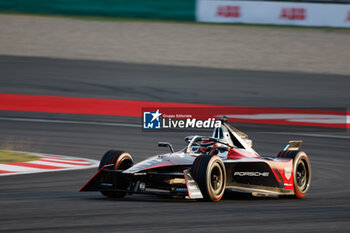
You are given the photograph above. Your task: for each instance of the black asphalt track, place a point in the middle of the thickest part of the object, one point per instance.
(47, 76)
(50, 202)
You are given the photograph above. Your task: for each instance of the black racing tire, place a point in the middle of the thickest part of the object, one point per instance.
(210, 174)
(301, 171)
(120, 160)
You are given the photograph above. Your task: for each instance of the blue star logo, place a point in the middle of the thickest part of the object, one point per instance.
(151, 120)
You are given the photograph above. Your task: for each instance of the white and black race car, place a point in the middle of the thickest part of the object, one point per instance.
(205, 168)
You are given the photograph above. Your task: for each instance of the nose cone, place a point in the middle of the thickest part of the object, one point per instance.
(172, 159)
(152, 162)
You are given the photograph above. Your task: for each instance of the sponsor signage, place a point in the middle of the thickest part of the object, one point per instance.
(293, 13)
(348, 17)
(251, 174)
(283, 13)
(288, 172)
(229, 11)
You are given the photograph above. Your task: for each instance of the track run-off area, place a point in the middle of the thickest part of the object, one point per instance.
(45, 163)
(50, 202)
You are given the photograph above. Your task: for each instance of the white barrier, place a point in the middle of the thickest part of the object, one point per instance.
(283, 13)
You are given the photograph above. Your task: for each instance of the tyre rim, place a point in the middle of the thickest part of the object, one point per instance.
(301, 175)
(216, 179)
(125, 164)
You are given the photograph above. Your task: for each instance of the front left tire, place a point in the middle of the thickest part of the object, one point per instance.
(119, 160)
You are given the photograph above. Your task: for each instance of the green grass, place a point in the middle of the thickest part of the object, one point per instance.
(124, 19)
(12, 157)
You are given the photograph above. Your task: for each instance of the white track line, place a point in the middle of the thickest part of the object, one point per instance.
(69, 122)
(139, 126)
(310, 135)
(62, 159)
(82, 163)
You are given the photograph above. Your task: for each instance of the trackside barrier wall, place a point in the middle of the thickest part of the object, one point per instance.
(160, 9)
(282, 13)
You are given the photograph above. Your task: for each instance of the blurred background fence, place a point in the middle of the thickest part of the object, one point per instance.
(312, 1)
(333, 13)
(157, 9)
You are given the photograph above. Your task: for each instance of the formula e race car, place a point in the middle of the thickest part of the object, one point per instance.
(205, 168)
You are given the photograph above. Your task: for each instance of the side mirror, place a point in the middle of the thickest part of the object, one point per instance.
(166, 144)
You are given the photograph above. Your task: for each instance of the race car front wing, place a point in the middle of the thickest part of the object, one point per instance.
(172, 184)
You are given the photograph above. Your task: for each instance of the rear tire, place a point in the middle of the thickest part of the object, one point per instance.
(120, 160)
(301, 174)
(210, 174)
(301, 171)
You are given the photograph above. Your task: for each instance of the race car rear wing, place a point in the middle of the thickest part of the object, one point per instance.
(294, 145)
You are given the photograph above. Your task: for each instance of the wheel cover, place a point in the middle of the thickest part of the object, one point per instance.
(216, 179)
(302, 175)
(125, 163)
